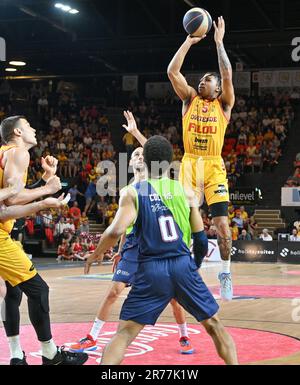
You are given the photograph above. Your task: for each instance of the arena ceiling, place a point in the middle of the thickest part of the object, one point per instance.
(129, 36)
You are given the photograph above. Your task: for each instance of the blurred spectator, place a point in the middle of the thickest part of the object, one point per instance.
(244, 236)
(294, 237)
(265, 236)
(75, 214)
(238, 220)
(63, 251)
(73, 191)
(84, 227)
(90, 195)
(77, 249)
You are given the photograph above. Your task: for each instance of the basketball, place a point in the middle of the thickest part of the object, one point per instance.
(197, 22)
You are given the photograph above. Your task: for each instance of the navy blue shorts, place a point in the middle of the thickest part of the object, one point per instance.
(157, 282)
(125, 272)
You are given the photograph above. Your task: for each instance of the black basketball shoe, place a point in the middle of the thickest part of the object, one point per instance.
(64, 357)
(19, 361)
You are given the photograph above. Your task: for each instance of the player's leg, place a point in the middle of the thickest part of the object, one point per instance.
(18, 270)
(225, 243)
(11, 324)
(114, 351)
(222, 339)
(88, 343)
(196, 299)
(184, 340)
(37, 292)
(217, 197)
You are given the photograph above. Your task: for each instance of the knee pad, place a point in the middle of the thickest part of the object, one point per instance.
(13, 294)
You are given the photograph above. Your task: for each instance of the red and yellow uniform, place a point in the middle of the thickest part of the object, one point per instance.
(204, 125)
(15, 266)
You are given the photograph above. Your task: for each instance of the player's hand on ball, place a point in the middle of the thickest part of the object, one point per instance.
(219, 30)
(53, 185)
(115, 259)
(194, 40)
(131, 126)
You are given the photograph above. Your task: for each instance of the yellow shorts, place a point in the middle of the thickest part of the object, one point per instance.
(15, 266)
(206, 176)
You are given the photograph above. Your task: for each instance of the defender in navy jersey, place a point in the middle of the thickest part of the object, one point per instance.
(125, 267)
(160, 212)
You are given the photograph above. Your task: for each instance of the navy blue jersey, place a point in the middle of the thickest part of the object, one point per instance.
(162, 227)
(129, 250)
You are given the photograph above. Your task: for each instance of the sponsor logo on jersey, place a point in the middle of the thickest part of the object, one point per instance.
(205, 130)
(221, 190)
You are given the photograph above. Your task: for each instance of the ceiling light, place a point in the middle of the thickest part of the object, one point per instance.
(17, 63)
(58, 5)
(73, 11)
(66, 8)
(10, 69)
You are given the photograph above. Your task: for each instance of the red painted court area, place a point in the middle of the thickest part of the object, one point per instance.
(159, 345)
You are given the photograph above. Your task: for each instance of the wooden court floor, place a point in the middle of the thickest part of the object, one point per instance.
(73, 299)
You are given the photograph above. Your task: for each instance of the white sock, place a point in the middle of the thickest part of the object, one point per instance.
(183, 332)
(49, 349)
(97, 326)
(15, 347)
(226, 266)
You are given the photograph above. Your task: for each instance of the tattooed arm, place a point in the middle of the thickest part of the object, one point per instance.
(227, 96)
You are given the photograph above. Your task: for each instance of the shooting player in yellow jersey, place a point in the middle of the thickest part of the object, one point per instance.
(205, 116)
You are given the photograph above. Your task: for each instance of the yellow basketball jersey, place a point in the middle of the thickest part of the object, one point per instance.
(6, 227)
(204, 125)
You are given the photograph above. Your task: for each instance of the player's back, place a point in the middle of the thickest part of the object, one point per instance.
(162, 227)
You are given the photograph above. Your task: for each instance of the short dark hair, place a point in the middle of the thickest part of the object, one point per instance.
(218, 79)
(158, 149)
(7, 127)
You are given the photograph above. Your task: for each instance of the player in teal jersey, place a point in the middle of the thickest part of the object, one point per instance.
(164, 218)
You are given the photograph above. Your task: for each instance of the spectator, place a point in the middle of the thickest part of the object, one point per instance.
(244, 214)
(73, 191)
(238, 220)
(75, 214)
(77, 250)
(294, 237)
(265, 236)
(128, 140)
(84, 227)
(90, 195)
(63, 251)
(60, 227)
(234, 231)
(244, 236)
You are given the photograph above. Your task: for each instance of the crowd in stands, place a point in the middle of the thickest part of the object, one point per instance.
(79, 136)
(242, 225)
(294, 179)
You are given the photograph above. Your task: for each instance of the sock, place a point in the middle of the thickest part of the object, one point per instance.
(226, 266)
(49, 349)
(98, 325)
(183, 332)
(15, 347)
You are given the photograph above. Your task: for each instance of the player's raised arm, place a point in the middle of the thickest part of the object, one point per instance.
(125, 216)
(227, 98)
(131, 127)
(179, 83)
(15, 167)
